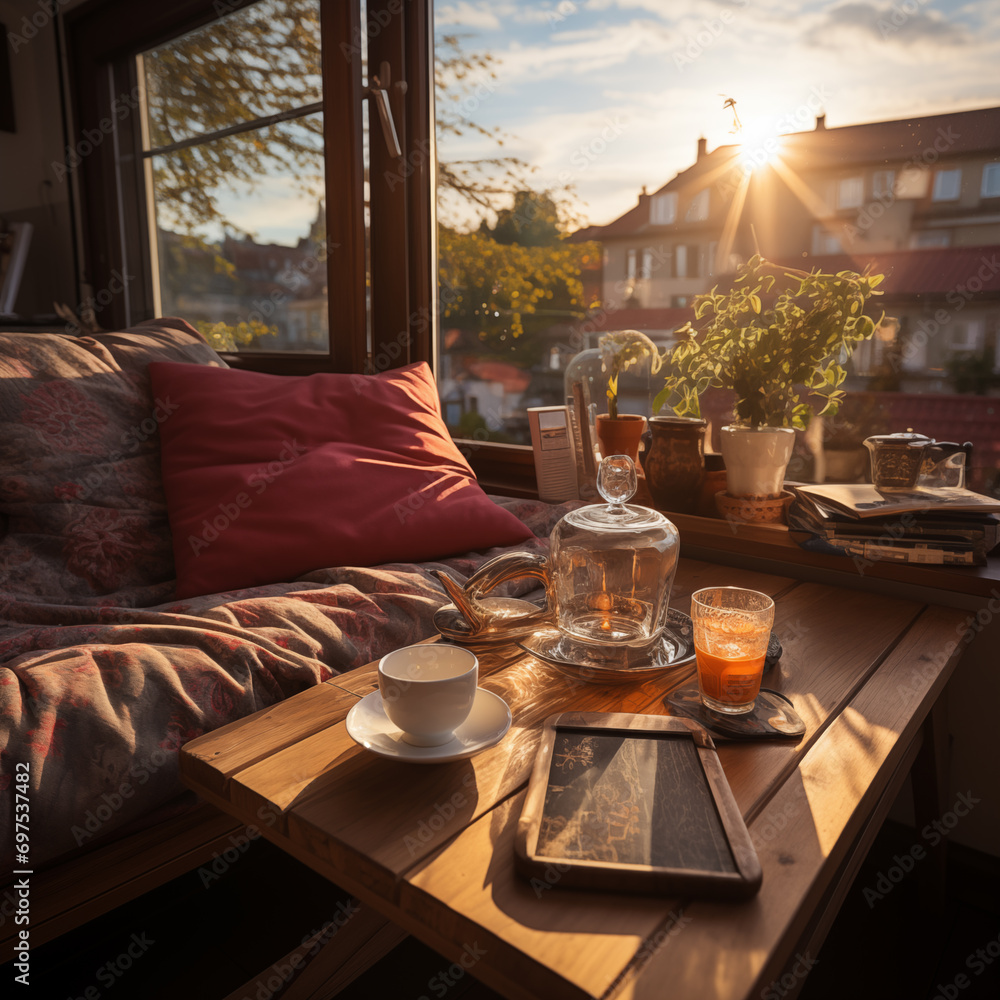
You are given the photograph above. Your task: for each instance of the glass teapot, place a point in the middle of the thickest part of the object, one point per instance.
(607, 576)
(907, 459)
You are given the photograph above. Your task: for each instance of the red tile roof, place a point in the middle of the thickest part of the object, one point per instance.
(512, 378)
(936, 271)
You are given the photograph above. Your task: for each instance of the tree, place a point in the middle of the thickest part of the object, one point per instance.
(533, 221)
(255, 63)
(264, 60)
(499, 292)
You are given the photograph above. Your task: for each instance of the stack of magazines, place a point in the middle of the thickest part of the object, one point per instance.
(947, 526)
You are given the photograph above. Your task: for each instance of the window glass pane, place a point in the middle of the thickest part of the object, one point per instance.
(882, 182)
(243, 257)
(801, 163)
(850, 192)
(930, 238)
(257, 62)
(236, 197)
(663, 209)
(991, 180)
(947, 184)
(698, 209)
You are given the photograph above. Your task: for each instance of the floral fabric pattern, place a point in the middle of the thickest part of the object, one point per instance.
(80, 484)
(98, 700)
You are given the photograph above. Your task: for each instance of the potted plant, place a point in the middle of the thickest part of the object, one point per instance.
(619, 434)
(776, 338)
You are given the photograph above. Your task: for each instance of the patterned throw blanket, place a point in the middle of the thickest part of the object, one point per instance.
(98, 700)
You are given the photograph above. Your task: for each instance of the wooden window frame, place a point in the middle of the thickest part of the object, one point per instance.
(102, 39)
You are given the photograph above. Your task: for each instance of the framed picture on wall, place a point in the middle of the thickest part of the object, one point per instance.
(7, 123)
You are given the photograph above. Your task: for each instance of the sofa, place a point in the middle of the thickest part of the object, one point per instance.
(183, 544)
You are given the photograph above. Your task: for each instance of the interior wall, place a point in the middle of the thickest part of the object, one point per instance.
(34, 185)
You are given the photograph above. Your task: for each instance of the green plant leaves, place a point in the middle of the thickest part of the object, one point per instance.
(766, 350)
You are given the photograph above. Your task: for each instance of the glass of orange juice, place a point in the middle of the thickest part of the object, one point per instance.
(732, 627)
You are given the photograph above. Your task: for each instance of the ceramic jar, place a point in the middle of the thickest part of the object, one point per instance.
(756, 459)
(674, 462)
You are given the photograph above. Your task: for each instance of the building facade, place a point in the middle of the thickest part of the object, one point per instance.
(917, 200)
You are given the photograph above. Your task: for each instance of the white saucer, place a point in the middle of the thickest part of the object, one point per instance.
(486, 725)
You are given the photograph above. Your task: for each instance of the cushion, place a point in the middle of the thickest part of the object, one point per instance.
(268, 477)
(80, 488)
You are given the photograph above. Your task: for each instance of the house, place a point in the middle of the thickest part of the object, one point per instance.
(917, 199)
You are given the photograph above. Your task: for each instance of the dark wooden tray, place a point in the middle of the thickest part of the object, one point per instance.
(635, 803)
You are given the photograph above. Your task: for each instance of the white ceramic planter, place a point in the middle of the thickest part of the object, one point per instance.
(756, 459)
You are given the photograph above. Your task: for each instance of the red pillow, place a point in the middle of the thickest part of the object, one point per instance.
(268, 477)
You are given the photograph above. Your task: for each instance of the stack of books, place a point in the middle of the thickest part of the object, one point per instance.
(947, 527)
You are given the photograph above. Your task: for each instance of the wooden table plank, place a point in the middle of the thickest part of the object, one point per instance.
(586, 938)
(331, 782)
(818, 676)
(209, 761)
(336, 787)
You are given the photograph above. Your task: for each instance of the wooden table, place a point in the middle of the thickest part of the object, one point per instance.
(431, 847)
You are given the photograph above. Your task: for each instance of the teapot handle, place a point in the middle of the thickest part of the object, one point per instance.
(480, 620)
(947, 448)
(505, 567)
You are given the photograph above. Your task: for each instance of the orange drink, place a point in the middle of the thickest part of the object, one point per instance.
(732, 627)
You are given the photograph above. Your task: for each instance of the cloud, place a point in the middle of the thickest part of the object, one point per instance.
(899, 24)
(468, 15)
(583, 52)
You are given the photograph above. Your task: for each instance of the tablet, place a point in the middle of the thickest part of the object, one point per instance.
(635, 803)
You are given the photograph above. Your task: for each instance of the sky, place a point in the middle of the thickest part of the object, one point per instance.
(612, 95)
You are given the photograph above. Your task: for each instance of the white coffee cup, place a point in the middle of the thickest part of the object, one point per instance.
(428, 690)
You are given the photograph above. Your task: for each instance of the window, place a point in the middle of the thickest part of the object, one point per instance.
(698, 209)
(510, 271)
(825, 242)
(235, 179)
(913, 182)
(991, 181)
(850, 192)
(685, 261)
(663, 208)
(930, 238)
(967, 337)
(647, 264)
(680, 261)
(947, 184)
(248, 194)
(882, 181)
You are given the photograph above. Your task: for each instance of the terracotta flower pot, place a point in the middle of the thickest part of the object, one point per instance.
(620, 436)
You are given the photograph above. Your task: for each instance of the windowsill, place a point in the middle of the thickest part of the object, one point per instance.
(508, 470)
(757, 545)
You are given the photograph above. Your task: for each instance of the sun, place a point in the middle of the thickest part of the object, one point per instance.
(760, 144)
